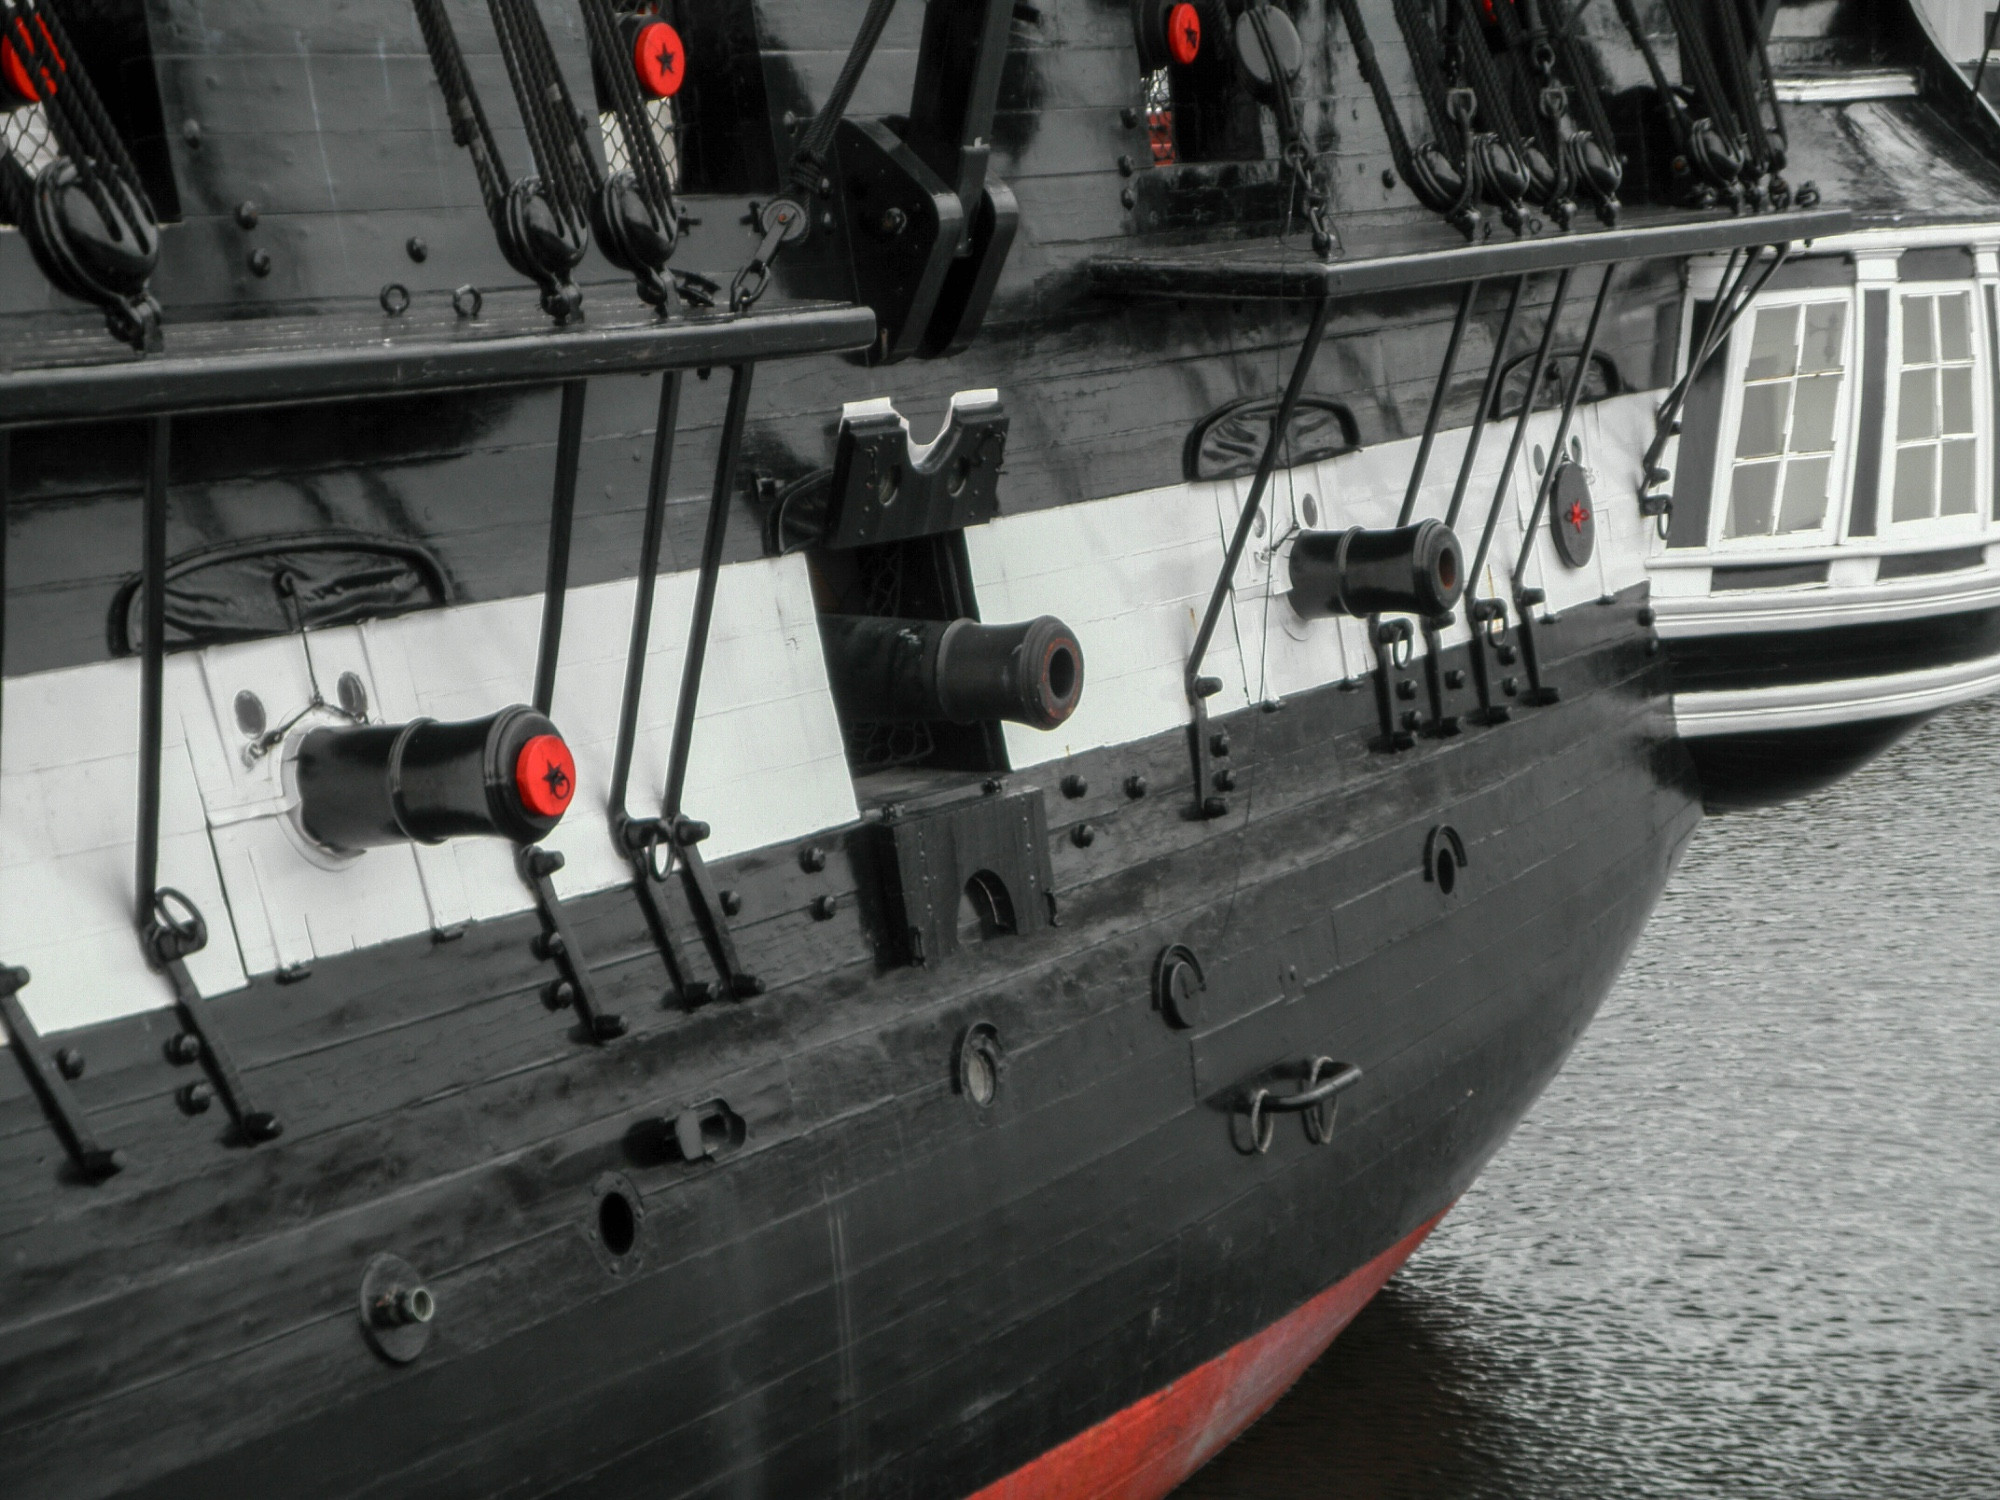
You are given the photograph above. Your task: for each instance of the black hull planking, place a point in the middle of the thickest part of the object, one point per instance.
(888, 1290)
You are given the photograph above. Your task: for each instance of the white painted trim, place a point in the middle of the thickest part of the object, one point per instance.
(1685, 617)
(1850, 87)
(1814, 705)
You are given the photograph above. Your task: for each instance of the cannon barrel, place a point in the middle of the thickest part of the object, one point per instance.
(958, 671)
(366, 785)
(1409, 570)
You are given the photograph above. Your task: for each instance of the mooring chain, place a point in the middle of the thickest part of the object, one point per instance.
(1293, 151)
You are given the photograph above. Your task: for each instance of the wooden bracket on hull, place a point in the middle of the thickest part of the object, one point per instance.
(50, 1080)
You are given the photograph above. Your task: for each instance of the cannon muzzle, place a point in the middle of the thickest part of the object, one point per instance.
(958, 671)
(508, 775)
(1410, 570)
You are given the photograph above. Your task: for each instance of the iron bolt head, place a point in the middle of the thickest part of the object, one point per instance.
(418, 250)
(196, 1097)
(1508, 655)
(732, 903)
(1213, 807)
(184, 1048)
(1128, 117)
(560, 993)
(1135, 786)
(1406, 689)
(1127, 166)
(1509, 686)
(1455, 678)
(1225, 780)
(893, 222)
(260, 262)
(825, 907)
(1218, 743)
(1129, 198)
(1083, 835)
(69, 1062)
(246, 215)
(1074, 786)
(812, 859)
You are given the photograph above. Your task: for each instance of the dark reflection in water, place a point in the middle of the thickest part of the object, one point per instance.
(1749, 1242)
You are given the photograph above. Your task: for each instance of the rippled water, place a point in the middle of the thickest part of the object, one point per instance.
(1749, 1241)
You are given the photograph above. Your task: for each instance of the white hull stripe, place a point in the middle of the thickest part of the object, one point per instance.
(1815, 705)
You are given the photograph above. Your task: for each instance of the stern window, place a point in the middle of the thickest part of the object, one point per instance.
(1788, 427)
(1936, 435)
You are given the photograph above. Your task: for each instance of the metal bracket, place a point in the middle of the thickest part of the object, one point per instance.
(1209, 783)
(1387, 637)
(1482, 614)
(557, 945)
(93, 1162)
(169, 941)
(643, 838)
(1539, 693)
(1441, 724)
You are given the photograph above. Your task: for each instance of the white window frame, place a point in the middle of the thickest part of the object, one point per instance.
(1833, 524)
(1887, 527)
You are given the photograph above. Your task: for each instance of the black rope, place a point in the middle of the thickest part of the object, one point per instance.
(1439, 172)
(469, 126)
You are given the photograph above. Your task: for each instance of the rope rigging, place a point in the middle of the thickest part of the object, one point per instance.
(1437, 172)
(109, 261)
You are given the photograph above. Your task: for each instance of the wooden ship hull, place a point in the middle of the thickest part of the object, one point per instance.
(592, 916)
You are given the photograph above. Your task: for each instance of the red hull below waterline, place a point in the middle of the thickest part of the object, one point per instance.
(1145, 1450)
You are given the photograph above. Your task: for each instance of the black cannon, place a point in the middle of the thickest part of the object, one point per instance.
(366, 785)
(958, 671)
(1410, 570)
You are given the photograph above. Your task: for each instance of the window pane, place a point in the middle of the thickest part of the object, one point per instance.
(1955, 326)
(1919, 348)
(1957, 393)
(1825, 323)
(1773, 350)
(1915, 470)
(1750, 496)
(1916, 410)
(1763, 429)
(1804, 504)
(1812, 419)
(1956, 495)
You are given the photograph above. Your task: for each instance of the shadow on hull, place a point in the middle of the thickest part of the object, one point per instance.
(1744, 771)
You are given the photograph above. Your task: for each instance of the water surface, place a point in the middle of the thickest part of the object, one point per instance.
(1749, 1241)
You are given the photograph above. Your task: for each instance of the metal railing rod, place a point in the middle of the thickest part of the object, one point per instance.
(704, 597)
(1280, 421)
(562, 522)
(665, 426)
(1495, 372)
(1570, 398)
(152, 667)
(1520, 433)
(1438, 395)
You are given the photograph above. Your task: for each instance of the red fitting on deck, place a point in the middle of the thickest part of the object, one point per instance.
(660, 59)
(1184, 33)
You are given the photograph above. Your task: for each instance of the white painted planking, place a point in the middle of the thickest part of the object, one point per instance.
(1131, 574)
(69, 780)
(767, 766)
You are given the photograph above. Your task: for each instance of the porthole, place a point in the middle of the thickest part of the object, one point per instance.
(980, 1065)
(616, 1223)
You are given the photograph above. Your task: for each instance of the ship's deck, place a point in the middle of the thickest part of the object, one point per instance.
(208, 366)
(1289, 271)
